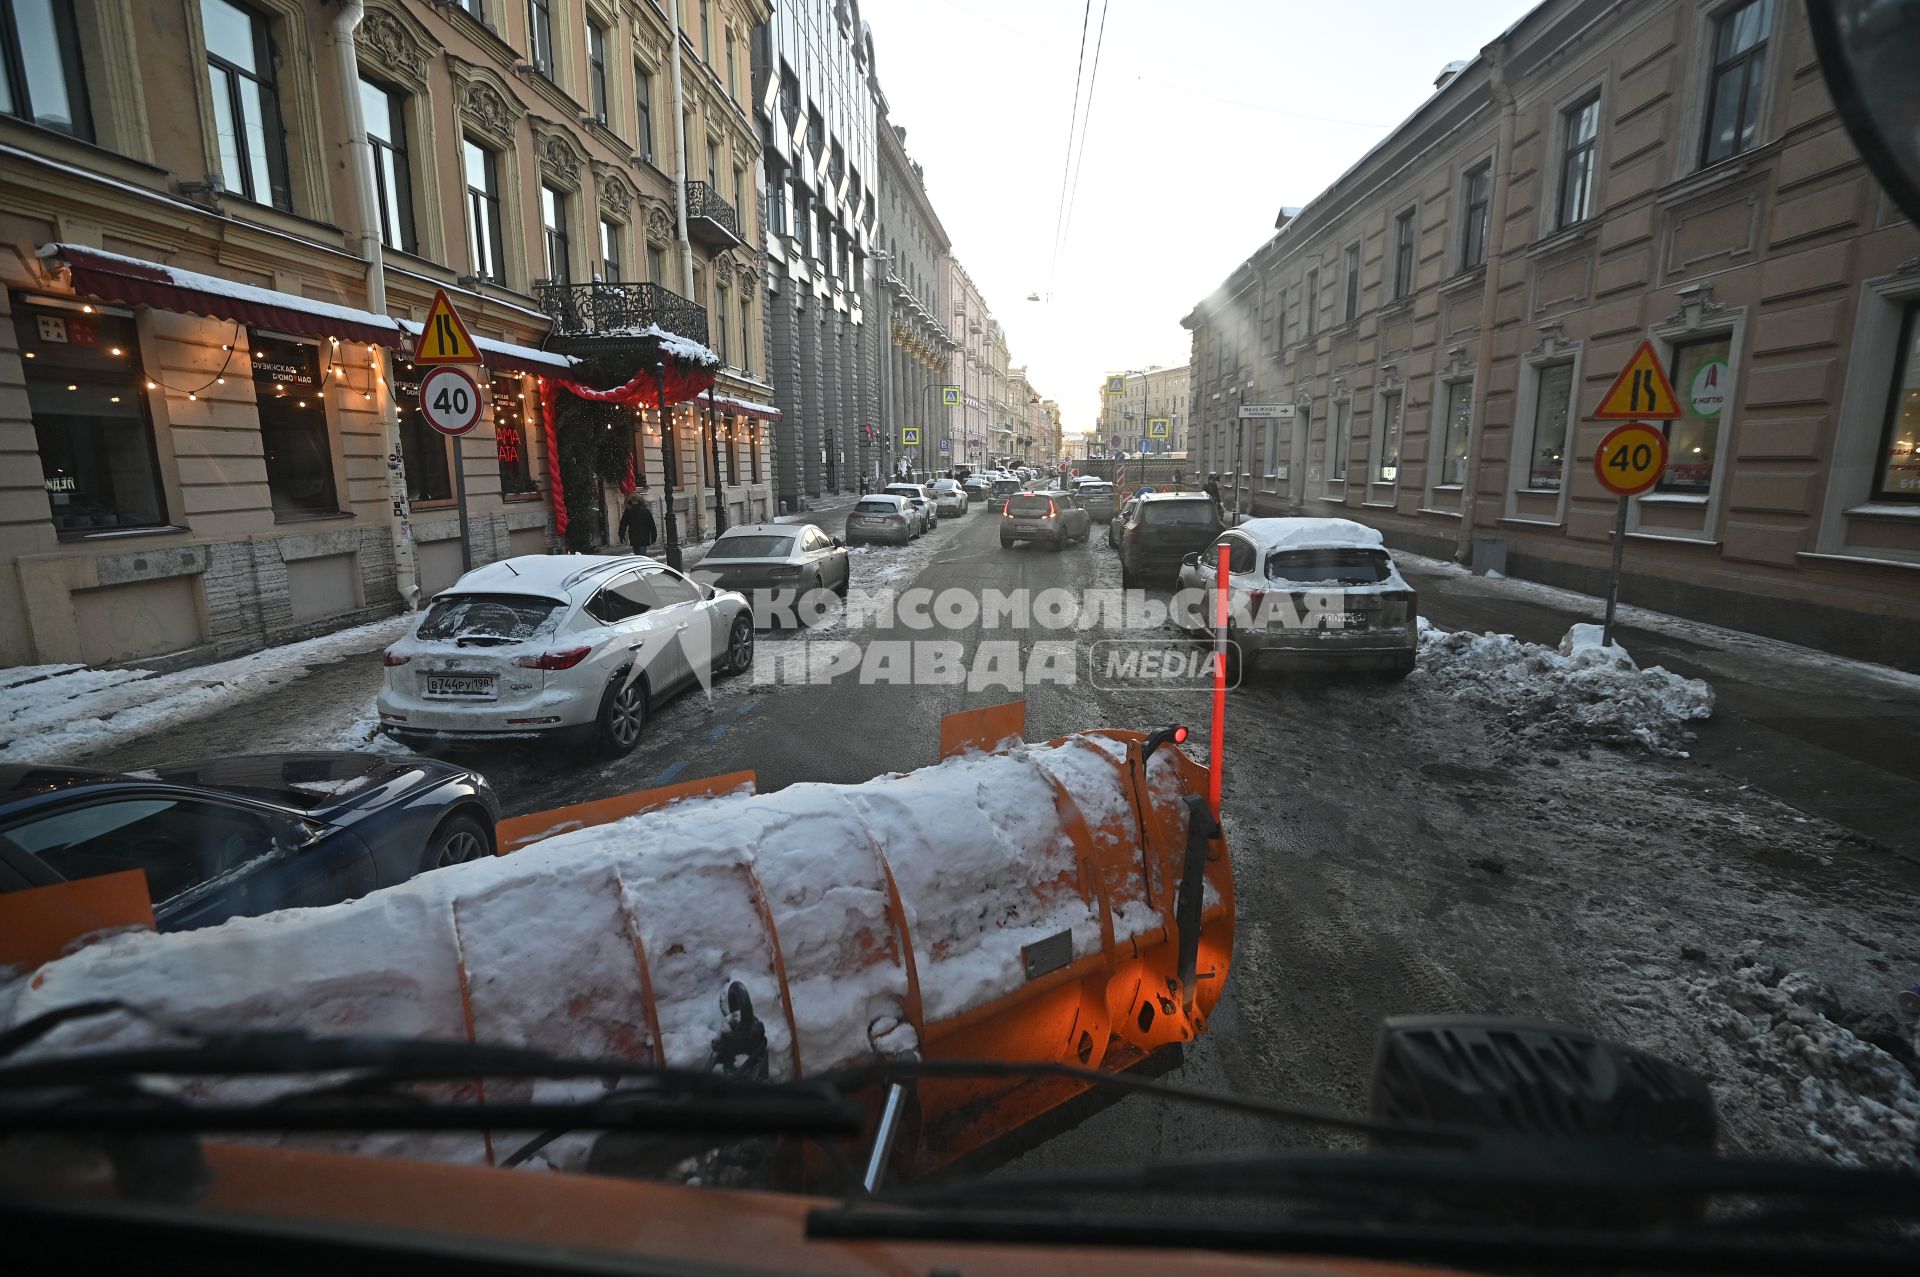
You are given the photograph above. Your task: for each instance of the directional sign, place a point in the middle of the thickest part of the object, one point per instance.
(450, 400)
(949, 395)
(1629, 460)
(443, 338)
(1266, 411)
(1641, 392)
(909, 436)
(1157, 428)
(1117, 385)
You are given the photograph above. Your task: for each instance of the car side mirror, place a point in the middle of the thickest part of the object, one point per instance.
(1192, 560)
(706, 590)
(836, 542)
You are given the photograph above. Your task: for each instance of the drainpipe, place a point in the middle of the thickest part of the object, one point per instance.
(406, 575)
(680, 204)
(1483, 364)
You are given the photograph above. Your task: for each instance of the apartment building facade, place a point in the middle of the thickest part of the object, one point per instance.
(817, 101)
(216, 219)
(1445, 318)
(969, 425)
(919, 345)
(1130, 405)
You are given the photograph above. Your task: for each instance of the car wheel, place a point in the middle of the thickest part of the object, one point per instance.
(458, 839)
(740, 645)
(623, 715)
(845, 582)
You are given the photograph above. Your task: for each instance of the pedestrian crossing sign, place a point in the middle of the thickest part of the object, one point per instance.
(909, 436)
(1156, 428)
(1641, 392)
(1117, 385)
(949, 395)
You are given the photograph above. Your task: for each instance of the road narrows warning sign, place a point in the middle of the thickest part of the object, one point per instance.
(1641, 392)
(444, 339)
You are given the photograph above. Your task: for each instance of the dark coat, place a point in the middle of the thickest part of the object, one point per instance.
(636, 527)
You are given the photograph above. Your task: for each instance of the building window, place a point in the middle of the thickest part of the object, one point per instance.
(1312, 320)
(1280, 321)
(40, 73)
(656, 265)
(643, 94)
(706, 32)
(1454, 432)
(723, 324)
(1733, 90)
(386, 122)
(1350, 270)
(1703, 383)
(1580, 126)
(246, 103)
(1403, 254)
(597, 71)
(733, 86)
(289, 397)
(510, 435)
(1899, 471)
(540, 36)
(87, 397)
(422, 448)
(553, 229)
(713, 166)
(1342, 436)
(609, 251)
(1553, 399)
(740, 197)
(746, 333)
(1473, 240)
(1386, 462)
(483, 212)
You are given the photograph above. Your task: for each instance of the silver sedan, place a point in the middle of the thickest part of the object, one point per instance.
(777, 556)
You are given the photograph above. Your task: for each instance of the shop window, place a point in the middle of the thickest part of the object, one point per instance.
(511, 420)
(1454, 431)
(422, 448)
(1703, 382)
(1898, 474)
(293, 426)
(1553, 397)
(86, 393)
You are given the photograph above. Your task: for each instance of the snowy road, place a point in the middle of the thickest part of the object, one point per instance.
(1398, 849)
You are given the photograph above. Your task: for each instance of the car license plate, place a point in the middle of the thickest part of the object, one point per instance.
(1025, 527)
(462, 686)
(1354, 620)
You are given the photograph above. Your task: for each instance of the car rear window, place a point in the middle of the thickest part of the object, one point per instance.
(877, 507)
(506, 618)
(752, 546)
(1349, 567)
(1032, 505)
(1196, 513)
(911, 494)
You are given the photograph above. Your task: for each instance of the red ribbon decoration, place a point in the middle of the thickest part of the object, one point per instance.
(630, 484)
(685, 381)
(556, 486)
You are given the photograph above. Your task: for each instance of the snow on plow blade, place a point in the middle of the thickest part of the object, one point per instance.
(1019, 905)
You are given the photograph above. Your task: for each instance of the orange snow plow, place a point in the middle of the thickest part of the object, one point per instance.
(1067, 904)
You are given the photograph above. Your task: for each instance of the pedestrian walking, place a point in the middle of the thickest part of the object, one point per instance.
(636, 524)
(1212, 488)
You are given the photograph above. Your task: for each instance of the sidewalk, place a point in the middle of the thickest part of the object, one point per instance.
(1835, 737)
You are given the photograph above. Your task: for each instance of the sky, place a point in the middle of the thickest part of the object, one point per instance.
(1207, 116)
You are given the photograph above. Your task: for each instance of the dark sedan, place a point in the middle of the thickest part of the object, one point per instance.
(777, 556)
(234, 837)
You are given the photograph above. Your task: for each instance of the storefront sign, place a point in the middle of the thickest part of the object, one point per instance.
(1708, 394)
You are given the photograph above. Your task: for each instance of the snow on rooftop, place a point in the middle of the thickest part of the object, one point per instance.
(1311, 534)
(684, 349)
(542, 574)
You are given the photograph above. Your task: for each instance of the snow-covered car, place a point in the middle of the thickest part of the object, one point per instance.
(1320, 593)
(948, 498)
(559, 644)
(919, 501)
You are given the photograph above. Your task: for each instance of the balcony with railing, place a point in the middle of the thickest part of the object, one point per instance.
(711, 221)
(591, 314)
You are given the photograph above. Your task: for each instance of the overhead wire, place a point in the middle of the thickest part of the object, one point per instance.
(1086, 122)
(1073, 121)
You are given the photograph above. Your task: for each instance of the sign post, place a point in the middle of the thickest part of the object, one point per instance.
(1631, 458)
(449, 396)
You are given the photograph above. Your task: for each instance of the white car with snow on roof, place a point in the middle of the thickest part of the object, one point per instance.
(1308, 594)
(545, 644)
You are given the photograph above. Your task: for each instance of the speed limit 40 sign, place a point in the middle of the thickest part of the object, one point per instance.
(1629, 460)
(450, 400)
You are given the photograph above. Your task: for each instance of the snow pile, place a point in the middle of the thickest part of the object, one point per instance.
(1311, 534)
(1775, 1038)
(621, 940)
(1584, 692)
(61, 713)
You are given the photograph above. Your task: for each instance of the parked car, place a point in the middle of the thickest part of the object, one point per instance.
(885, 517)
(1047, 516)
(919, 501)
(1376, 626)
(947, 497)
(247, 834)
(559, 644)
(1119, 521)
(977, 487)
(777, 556)
(1098, 498)
(1163, 529)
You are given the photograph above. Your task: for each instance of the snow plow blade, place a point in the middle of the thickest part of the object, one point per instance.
(1031, 904)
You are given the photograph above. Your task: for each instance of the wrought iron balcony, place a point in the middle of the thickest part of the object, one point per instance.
(620, 311)
(710, 219)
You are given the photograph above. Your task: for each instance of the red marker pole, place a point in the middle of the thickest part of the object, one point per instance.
(1218, 743)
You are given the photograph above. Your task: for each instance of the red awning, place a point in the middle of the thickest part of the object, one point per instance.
(746, 408)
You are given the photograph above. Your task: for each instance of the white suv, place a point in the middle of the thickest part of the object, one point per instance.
(582, 645)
